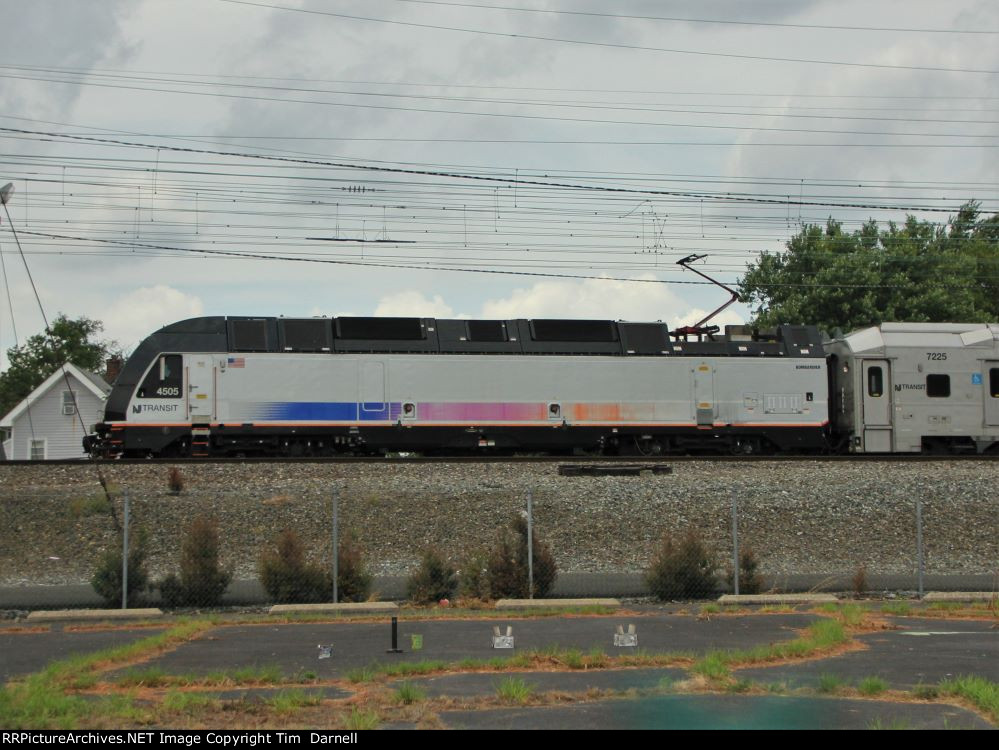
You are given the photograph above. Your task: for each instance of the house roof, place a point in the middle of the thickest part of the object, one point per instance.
(90, 381)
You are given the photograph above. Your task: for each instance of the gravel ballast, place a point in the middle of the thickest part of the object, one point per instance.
(800, 517)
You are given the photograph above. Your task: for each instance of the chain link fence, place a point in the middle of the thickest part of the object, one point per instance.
(200, 547)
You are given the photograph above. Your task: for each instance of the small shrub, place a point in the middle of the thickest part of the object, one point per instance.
(859, 581)
(175, 480)
(434, 580)
(353, 579)
(201, 582)
(473, 576)
(682, 568)
(287, 577)
(107, 577)
(750, 581)
(508, 566)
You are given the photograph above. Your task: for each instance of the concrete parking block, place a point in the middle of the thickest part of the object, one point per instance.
(777, 599)
(555, 603)
(58, 615)
(961, 596)
(342, 608)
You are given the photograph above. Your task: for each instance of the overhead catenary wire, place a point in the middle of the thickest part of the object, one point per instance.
(611, 45)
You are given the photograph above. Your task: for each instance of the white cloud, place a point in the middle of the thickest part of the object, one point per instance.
(135, 315)
(600, 299)
(411, 303)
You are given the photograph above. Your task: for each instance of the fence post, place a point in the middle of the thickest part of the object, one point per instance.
(530, 543)
(735, 543)
(124, 557)
(919, 542)
(336, 545)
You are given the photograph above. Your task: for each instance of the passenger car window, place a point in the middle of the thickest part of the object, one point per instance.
(875, 382)
(165, 378)
(994, 382)
(938, 386)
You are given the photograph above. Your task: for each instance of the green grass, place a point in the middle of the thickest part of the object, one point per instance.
(150, 677)
(713, 666)
(666, 685)
(408, 693)
(185, 702)
(289, 701)
(739, 686)
(830, 684)
(984, 694)
(822, 635)
(269, 674)
(896, 724)
(926, 692)
(771, 609)
(91, 505)
(872, 686)
(947, 606)
(901, 609)
(361, 674)
(40, 701)
(709, 609)
(514, 690)
(359, 719)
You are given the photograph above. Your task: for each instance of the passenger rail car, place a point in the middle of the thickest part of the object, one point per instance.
(219, 386)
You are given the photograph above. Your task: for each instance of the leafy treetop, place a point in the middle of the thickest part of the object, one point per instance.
(70, 341)
(917, 272)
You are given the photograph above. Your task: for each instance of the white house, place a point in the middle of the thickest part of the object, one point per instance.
(46, 424)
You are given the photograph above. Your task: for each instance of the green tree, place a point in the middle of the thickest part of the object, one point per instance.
(919, 271)
(71, 341)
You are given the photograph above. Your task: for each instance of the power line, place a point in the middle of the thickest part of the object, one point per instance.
(611, 45)
(505, 115)
(491, 179)
(680, 19)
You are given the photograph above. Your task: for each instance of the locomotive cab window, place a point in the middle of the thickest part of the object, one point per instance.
(875, 382)
(165, 379)
(938, 386)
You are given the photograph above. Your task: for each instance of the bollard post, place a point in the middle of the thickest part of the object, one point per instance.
(395, 637)
(124, 557)
(919, 542)
(336, 547)
(530, 544)
(735, 543)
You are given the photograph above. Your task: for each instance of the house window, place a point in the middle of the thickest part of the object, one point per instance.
(68, 403)
(938, 386)
(36, 449)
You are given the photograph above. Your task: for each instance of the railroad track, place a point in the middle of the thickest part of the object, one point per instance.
(607, 460)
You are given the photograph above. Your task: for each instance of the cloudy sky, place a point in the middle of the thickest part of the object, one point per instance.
(482, 158)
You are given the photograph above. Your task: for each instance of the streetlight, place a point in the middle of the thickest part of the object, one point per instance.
(5, 193)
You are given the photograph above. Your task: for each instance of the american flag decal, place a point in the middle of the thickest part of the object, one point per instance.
(237, 362)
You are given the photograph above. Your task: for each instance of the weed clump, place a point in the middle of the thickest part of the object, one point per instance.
(508, 566)
(859, 582)
(175, 480)
(683, 568)
(286, 575)
(353, 578)
(107, 577)
(473, 576)
(202, 581)
(433, 581)
(750, 581)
